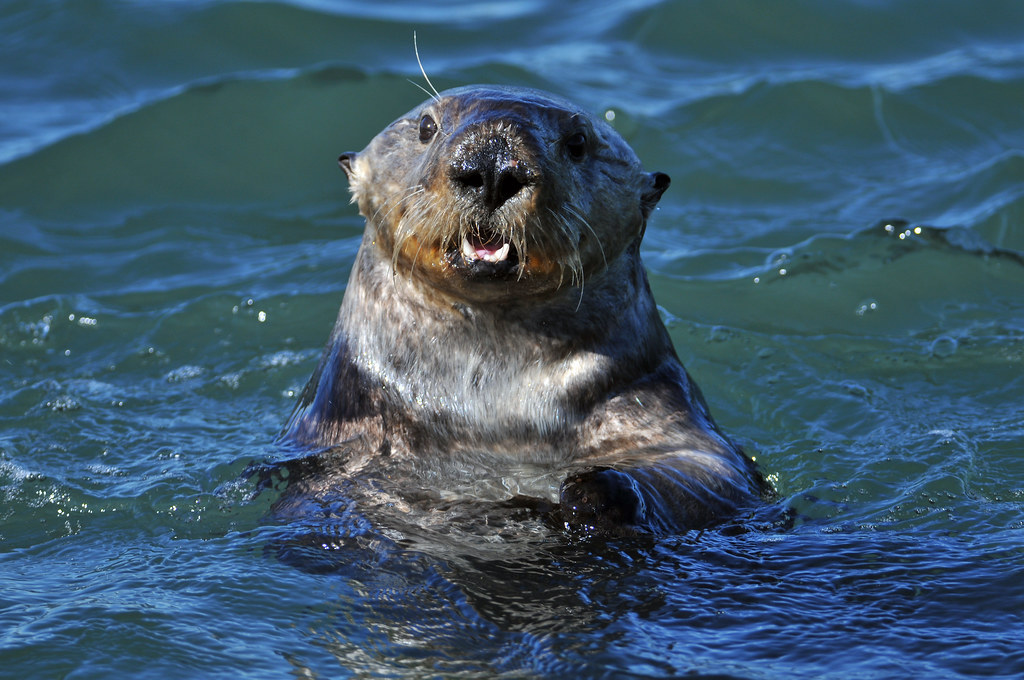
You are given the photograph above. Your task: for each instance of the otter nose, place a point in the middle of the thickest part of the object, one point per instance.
(491, 172)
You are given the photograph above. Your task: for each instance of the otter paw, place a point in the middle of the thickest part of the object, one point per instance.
(602, 498)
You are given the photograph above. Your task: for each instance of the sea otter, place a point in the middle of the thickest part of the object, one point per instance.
(498, 317)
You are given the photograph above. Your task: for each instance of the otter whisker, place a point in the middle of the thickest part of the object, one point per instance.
(412, 200)
(452, 236)
(402, 234)
(566, 245)
(518, 238)
(582, 220)
(579, 300)
(417, 85)
(433, 226)
(398, 202)
(434, 94)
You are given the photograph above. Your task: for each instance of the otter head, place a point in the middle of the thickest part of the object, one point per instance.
(492, 193)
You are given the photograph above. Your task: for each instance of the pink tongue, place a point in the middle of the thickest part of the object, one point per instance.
(481, 250)
(476, 249)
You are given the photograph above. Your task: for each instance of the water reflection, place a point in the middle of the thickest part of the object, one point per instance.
(486, 587)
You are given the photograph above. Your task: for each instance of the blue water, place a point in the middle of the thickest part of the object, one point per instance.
(840, 262)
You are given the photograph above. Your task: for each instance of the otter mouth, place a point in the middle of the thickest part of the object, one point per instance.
(485, 253)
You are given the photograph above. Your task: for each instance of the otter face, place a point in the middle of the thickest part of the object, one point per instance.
(493, 193)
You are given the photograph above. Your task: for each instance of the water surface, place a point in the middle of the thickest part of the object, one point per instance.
(839, 262)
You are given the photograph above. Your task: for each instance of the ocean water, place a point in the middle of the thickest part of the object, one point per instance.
(840, 262)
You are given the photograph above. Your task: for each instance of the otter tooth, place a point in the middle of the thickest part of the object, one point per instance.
(468, 252)
(471, 253)
(500, 255)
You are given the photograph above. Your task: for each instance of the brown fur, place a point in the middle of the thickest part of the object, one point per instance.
(554, 356)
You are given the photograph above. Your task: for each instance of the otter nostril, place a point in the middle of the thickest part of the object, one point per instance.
(473, 180)
(507, 186)
(492, 186)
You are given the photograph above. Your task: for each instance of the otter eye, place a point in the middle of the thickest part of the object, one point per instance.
(428, 128)
(576, 145)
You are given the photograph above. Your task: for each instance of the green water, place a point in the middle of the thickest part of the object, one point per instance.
(175, 238)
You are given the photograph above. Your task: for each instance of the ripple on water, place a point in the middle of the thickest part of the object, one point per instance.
(169, 270)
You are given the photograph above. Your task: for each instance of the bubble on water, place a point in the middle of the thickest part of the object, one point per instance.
(282, 358)
(866, 307)
(183, 373)
(65, 402)
(30, 333)
(943, 346)
(105, 470)
(902, 232)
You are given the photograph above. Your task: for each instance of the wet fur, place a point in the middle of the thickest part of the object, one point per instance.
(564, 365)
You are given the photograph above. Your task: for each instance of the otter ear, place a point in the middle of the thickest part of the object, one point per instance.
(345, 162)
(657, 182)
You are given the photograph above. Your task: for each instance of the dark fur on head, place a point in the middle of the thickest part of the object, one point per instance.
(547, 145)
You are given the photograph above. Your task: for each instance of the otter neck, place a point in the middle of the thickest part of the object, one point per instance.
(501, 374)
